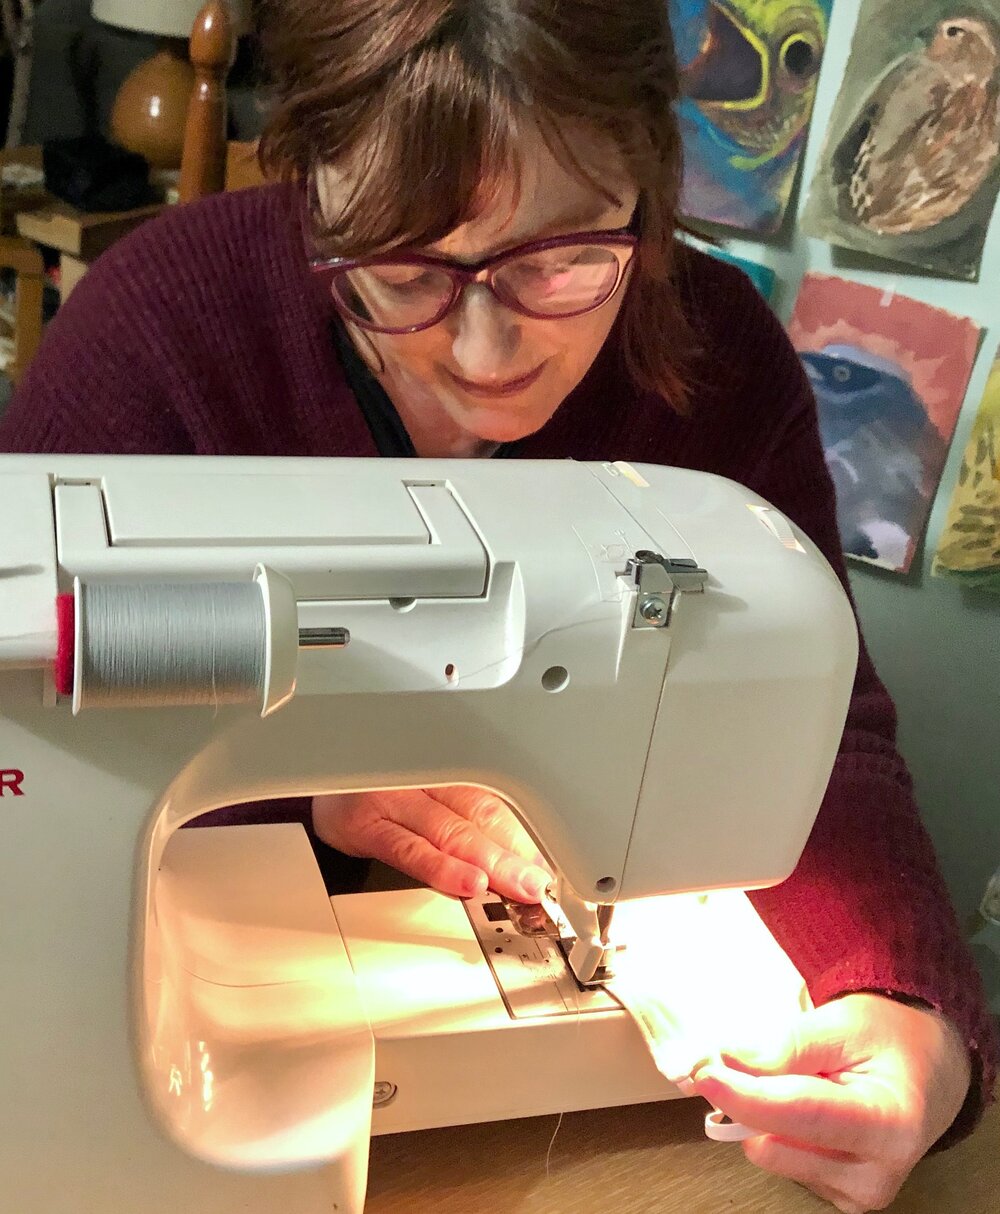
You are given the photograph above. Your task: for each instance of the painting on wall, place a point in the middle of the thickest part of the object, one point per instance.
(969, 547)
(910, 165)
(889, 374)
(748, 81)
(762, 277)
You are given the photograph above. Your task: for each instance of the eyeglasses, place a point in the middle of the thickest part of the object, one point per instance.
(550, 279)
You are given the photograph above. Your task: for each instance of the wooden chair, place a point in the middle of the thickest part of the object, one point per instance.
(21, 317)
(210, 163)
(25, 259)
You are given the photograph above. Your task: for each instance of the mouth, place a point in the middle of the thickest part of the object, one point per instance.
(509, 387)
(728, 68)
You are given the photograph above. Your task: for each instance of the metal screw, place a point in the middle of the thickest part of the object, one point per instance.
(653, 610)
(384, 1092)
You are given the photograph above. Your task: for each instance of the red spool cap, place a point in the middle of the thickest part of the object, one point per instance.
(66, 644)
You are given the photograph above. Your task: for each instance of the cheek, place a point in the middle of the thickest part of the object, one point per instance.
(574, 344)
(414, 352)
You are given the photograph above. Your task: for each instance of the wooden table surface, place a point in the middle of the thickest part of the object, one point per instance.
(646, 1159)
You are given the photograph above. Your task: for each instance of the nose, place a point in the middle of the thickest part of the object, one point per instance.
(485, 334)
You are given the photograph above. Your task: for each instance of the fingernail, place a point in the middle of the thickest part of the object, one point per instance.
(534, 885)
(685, 1087)
(478, 885)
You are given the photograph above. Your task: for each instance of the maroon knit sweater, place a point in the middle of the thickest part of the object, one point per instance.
(202, 334)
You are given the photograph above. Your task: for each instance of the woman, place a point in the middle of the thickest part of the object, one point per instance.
(474, 256)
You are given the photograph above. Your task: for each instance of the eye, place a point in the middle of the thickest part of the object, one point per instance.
(800, 57)
(553, 262)
(841, 373)
(953, 31)
(400, 277)
(543, 265)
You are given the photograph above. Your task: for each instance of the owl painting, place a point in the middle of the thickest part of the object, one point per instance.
(749, 70)
(911, 170)
(889, 376)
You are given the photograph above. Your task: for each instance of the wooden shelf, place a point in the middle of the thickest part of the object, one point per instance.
(79, 233)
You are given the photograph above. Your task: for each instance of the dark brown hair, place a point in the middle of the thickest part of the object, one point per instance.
(422, 99)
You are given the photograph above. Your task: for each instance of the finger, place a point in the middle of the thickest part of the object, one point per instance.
(854, 1185)
(493, 816)
(803, 1108)
(818, 1042)
(411, 853)
(455, 836)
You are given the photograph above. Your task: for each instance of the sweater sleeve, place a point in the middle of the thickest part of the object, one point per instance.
(866, 909)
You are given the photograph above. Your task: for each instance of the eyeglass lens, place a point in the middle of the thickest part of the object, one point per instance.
(548, 283)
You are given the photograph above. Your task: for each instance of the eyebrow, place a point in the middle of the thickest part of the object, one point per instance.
(583, 218)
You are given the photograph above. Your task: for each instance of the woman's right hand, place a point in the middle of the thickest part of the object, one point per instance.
(458, 839)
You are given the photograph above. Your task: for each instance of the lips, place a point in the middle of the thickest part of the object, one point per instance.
(509, 387)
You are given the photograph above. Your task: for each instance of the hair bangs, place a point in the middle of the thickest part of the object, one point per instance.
(436, 151)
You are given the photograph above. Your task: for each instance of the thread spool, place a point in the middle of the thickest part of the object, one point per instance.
(161, 645)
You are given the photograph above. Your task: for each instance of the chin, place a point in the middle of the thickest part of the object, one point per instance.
(509, 431)
(505, 422)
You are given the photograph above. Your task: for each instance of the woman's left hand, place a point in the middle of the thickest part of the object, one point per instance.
(850, 1101)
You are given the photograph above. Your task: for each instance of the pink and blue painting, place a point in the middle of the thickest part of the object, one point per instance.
(749, 70)
(889, 374)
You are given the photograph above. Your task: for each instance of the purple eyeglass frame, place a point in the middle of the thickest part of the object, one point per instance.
(485, 271)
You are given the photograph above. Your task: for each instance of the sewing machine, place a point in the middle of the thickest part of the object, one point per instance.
(652, 665)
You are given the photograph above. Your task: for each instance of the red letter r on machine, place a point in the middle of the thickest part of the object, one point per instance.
(10, 782)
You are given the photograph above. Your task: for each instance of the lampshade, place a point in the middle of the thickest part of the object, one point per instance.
(169, 18)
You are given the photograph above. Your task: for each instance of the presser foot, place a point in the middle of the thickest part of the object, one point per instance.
(523, 948)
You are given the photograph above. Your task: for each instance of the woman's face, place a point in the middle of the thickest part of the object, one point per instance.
(486, 374)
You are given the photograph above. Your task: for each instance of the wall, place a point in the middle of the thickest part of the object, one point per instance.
(936, 645)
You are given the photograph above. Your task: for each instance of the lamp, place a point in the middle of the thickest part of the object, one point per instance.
(150, 109)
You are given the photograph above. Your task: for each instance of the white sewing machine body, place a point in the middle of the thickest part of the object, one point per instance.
(506, 631)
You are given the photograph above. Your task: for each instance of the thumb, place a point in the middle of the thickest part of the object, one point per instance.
(815, 1043)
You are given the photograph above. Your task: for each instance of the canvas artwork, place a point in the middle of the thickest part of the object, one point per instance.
(748, 79)
(762, 277)
(969, 547)
(889, 374)
(910, 165)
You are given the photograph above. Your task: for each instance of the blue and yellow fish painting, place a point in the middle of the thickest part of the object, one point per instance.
(749, 70)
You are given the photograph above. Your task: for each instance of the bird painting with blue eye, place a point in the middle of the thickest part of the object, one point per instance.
(748, 82)
(880, 448)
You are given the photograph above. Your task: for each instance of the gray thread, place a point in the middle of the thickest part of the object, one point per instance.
(149, 645)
